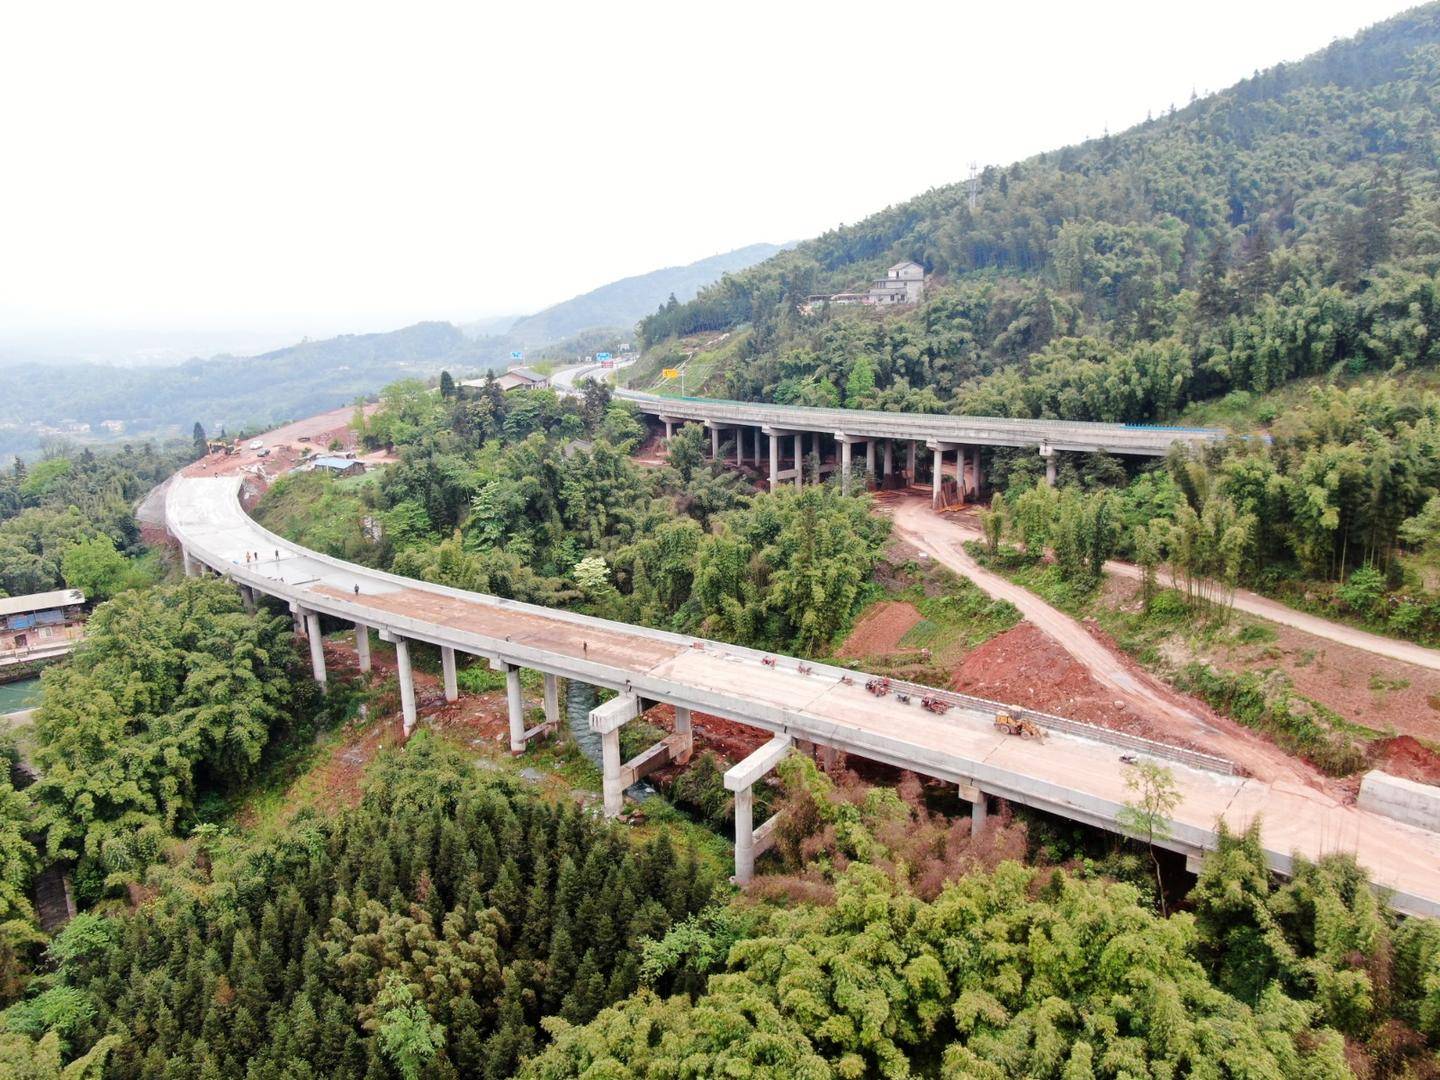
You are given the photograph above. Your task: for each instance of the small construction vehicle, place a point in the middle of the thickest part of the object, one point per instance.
(878, 687)
(935, 705)
(1018, 725)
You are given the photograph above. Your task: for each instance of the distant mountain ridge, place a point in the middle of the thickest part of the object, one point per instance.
(621, 304)
(85, 400)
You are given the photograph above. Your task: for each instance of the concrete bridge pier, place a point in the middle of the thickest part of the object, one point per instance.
(191, 568)
(1048, 453)
(247, 597)
(552, 700)
(910, 462)
(870, 456)
(889, 458)
(799, 460)
(846, 442)
(406, 676)
(317, 644)
(741, 778)
(686, 735)
(606, 720)
(362, 645)
(447, 669)
(517, 708)
(774, 461)
(979, 806)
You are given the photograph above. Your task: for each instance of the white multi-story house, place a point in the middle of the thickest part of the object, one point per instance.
(903, 283)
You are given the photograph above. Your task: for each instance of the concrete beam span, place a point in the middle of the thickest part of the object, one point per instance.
(1076, 773)
(1140, 439)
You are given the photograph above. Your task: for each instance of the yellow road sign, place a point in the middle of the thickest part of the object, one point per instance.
(671, 373)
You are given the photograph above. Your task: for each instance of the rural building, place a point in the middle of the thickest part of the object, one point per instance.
(521, 378)
(41, 621)
(338, 466)
(903, 283)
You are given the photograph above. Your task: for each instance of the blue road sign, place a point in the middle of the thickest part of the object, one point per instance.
(602, 356)
(516, 354)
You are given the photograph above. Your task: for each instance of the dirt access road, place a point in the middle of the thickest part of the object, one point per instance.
(942, 539)
(1250, 603)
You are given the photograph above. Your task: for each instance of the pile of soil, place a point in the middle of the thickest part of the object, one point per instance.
(880, 630)
(1406, 757)
(1026, 666)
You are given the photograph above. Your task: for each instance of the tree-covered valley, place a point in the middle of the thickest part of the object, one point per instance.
(273, 881)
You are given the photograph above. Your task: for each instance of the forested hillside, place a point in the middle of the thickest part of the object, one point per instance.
(69, 519)
(1280, 228)
(1287, 228)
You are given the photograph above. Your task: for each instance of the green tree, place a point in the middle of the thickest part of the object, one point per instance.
(95, 568)
(686, 451)
(406, 1033)
(1147, 814)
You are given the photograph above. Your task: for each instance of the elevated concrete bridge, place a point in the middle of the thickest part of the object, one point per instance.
(1077, 772)
(831, 434)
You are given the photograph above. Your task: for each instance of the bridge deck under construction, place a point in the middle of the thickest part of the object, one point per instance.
(1075, 773)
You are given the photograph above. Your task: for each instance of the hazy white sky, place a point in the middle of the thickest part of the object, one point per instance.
(296, 168)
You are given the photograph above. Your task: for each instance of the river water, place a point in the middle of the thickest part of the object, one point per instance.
(24, 694)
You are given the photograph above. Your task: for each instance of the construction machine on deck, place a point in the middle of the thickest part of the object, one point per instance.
(1018, 725)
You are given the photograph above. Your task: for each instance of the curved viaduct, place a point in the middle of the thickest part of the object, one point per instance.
(832, 435)
(1077, 772)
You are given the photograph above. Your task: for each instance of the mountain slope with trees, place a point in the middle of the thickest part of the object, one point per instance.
(1286, 228)
(1278, 228)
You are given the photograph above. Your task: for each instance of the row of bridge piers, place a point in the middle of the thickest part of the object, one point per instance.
(795, 456)
(606, 720)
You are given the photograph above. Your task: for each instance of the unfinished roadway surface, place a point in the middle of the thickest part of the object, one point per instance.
(1075, 772)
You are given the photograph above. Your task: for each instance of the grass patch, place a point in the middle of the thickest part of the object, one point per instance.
(1380, 684)
(963, 617)
(1255, 634)
(318, 511)
(1266, 702)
